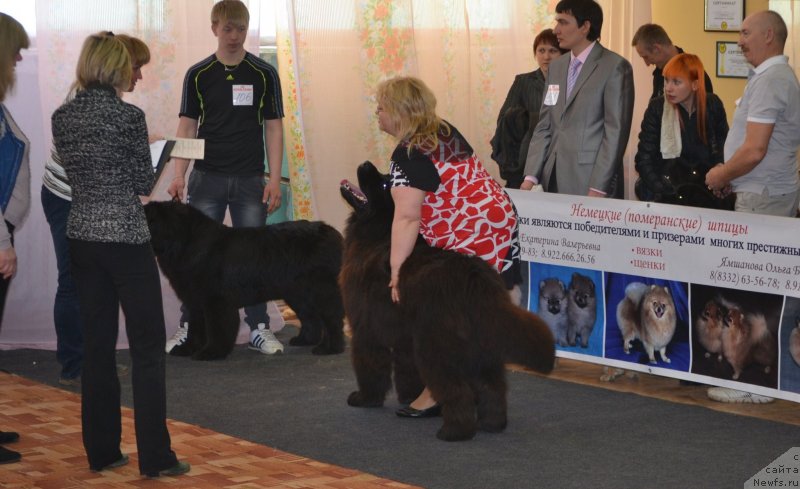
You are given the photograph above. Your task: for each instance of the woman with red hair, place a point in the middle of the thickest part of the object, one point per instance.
(682, 137)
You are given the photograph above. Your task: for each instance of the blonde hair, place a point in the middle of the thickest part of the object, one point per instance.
(412, 107)
(140, 53)
(104, 59)
(230, 11)
(12, 39)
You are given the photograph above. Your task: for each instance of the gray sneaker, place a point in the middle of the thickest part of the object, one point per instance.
(263, 340)
(178, 338)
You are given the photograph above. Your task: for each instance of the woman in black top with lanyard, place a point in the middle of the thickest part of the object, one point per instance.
(103, 146)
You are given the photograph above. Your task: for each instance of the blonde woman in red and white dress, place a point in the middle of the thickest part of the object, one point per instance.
(441, 191)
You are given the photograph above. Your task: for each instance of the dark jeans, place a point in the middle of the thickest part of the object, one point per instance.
(4, 282)
(108, 275)
(212, 194)
(66, 311)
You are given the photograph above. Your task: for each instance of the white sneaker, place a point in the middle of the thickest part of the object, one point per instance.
(725, 394)
(178, 338)
(263, 340)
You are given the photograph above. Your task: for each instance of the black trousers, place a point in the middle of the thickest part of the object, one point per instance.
(108, 275)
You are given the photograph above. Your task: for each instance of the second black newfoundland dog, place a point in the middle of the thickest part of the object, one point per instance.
(453, 330)
(215, 270)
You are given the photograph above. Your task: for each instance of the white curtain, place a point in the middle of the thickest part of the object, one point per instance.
(790, 11)
(178, 34)
(331, 53)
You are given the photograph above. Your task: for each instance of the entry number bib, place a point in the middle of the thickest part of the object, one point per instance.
(242, 94)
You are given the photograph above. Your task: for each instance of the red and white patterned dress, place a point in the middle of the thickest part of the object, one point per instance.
(465, 209)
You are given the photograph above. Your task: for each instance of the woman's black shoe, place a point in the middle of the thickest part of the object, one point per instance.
(8, 437)
(410, 412)
(8, 456)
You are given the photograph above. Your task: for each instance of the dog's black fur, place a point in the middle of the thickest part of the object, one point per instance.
(215, 270)
(454, 328)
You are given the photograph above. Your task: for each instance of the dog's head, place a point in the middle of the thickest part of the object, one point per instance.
(169, 222)
(371, 195)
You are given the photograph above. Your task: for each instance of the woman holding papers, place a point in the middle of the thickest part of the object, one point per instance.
(102, 142)
(682, 137)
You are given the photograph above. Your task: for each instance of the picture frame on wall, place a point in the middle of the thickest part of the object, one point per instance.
(724, 15)
(731, 62)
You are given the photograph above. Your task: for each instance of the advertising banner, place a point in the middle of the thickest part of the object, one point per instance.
(685, 292)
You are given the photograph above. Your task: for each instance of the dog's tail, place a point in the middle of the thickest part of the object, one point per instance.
(528, 340)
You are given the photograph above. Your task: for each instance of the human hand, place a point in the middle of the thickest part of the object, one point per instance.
(715, 178)
(526, 185)
(272, 195)
(175, 188)
(595, 193)
(8, 263)
(395, 293)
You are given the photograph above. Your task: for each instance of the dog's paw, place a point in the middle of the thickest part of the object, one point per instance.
(358, 399)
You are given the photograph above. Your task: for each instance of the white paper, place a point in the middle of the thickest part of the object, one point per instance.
(191, 149)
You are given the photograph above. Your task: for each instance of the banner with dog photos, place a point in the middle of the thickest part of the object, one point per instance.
(695, 294)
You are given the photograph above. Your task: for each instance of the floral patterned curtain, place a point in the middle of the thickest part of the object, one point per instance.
(333, 55)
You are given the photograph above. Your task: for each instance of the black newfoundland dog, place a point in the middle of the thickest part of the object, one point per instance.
(215, 270)
(453, 330)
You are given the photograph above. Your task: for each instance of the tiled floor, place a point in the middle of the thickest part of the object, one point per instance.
(48, 420)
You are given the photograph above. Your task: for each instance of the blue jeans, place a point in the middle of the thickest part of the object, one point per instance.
(66, 310)
(212, 194)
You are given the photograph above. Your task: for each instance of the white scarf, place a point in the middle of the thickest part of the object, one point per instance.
(670, 132)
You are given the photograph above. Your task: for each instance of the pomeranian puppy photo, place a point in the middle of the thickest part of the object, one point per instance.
(553, 308)
(709, 328)
(746, 339)
(794, 341)
(581, 309)
(647, 313)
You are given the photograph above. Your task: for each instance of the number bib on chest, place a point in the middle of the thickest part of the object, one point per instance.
(242, 94)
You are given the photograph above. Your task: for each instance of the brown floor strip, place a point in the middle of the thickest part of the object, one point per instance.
(669, 389)
(48, 420)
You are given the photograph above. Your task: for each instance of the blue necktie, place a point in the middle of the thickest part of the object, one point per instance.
(574, 69)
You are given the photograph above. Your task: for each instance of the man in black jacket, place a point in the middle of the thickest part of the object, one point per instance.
(655, 48)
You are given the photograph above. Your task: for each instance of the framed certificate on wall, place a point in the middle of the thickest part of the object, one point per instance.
(724, 15)
(730, 61)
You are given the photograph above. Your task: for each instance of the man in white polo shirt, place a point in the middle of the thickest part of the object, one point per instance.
(761, 148)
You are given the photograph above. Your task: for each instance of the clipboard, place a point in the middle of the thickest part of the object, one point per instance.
(163, 158)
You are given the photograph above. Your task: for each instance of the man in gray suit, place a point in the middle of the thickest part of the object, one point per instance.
(585, 120)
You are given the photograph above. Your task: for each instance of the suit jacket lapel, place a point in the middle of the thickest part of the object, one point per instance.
(588, 67)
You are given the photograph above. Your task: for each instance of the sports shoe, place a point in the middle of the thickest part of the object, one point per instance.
(725, 394)
(179, 468)
(263, 340)
(123, 460)
(178, 338)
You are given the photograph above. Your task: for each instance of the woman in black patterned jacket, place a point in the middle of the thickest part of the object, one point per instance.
(104, 150)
